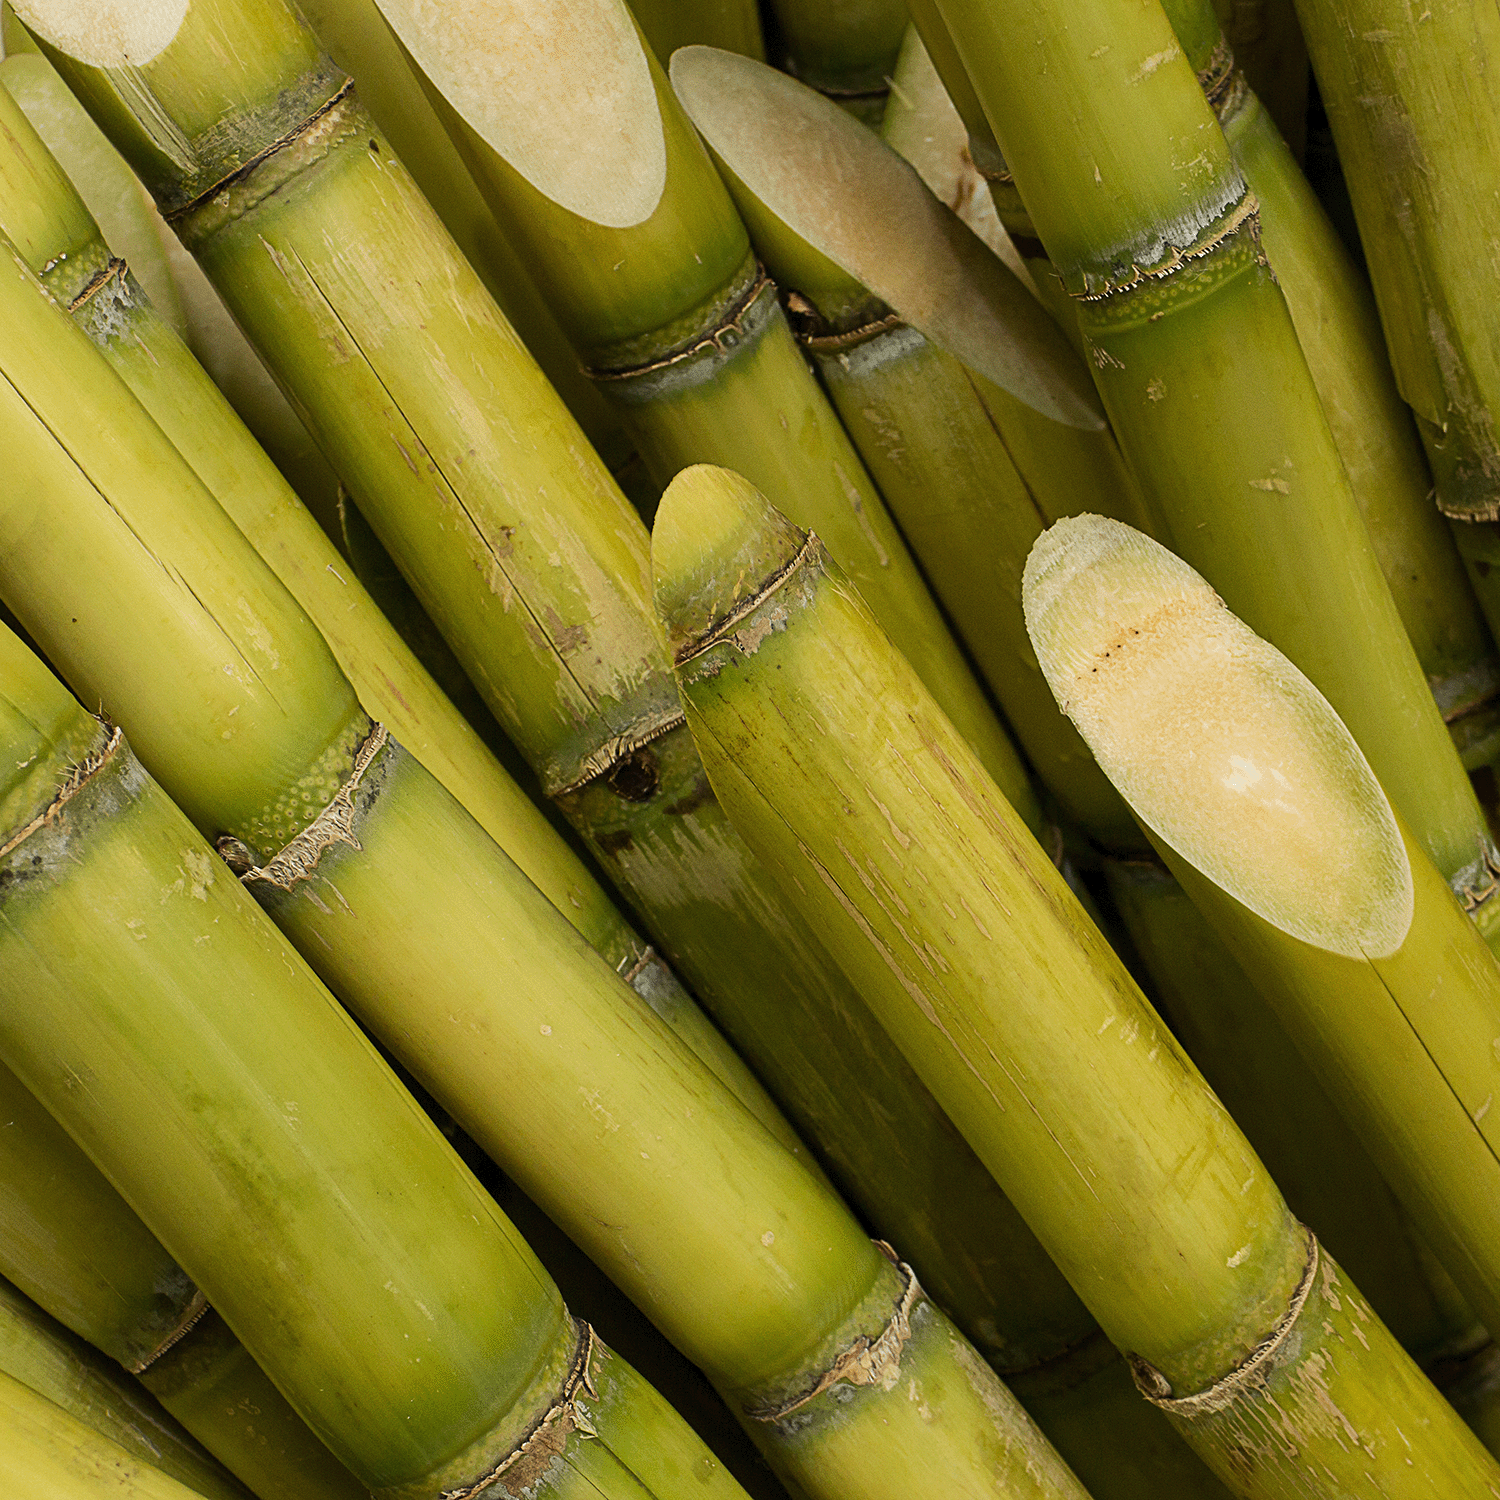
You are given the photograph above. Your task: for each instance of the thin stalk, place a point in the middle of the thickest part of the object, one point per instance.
(840, 768)
(46, 220)
(1339, 330)
(226, 1089)
(42, 1354)
(670, 24)
(46, 1450)
(845, 49)
(478, 985)
(665, 304)
(1166, 265)
(1315, 886)
(1414, 117)
(535, 568)
(1268, 45)
(78, 1250)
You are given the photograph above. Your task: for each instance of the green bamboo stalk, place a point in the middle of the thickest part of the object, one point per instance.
(1277, 829)
(536, 569)
(1339, 330)
(978, 422)
(1236, 451)
(846, 50)
(1417, 130)
(454, 960)
(1267, 44)
(648, 267)
(838, 766)
(45, 1450)
(46, 220)
(670, 24)
(225, 1090)
(74, 1246)
(42, 1354)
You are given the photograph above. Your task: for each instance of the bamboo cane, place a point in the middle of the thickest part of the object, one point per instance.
(1268, 45)
(649, 268)
(1234, 447)
(47, 1451)
(846, 50)
(670, 24)
(504, 534)
(45, 219)
(1307, 874)
(40, 1353)
(73, 1245)
(758, 1274)
(1339, 331)
(987, 971)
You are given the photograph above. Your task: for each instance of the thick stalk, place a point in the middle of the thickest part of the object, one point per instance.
(225, 1089)
(667, 307)
(76, 1248)
(42, 1354)
(1339, 330)
(46, 1450)
(1166, 265)
(51, 227)
(1414, 116)
(1336, 915)
(670, 24)
(991, 976)
(845, 49)
(455, 961)
(536, 569)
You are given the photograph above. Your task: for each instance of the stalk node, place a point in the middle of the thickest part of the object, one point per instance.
(193, 1314)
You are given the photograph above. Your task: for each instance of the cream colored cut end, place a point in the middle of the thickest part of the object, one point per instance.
(105, 33)
(1219, 744)
(562, 91)
(843, 190)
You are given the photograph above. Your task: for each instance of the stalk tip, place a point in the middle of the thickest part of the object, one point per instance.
(716, 540)
(1221, 747)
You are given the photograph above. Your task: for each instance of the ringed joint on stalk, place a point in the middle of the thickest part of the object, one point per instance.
(298, 859)
(289, 138)
(1222, 83)
(525, 1463)
(618, 749)
(810, 551)
(1477, 884)
(78, 778)
(808, 327)
(98, 281)
(866, 1361)
(193, 1314)
(1157, 1389)
(726, 335)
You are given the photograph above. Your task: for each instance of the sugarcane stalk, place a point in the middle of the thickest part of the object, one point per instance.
(1339, 330)
(1277, 829)
(1268, 45)
(40, 1353)
(670, 24)
(73, 1245)
(664, 302)
(989, 974)
(45, 219)
(1234, 448)
(46, 1450)
(846, 50)
(445, 950)
(536, 569)
(225, 1089)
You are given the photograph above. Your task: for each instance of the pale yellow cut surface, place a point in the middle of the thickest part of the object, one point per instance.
(105, 33)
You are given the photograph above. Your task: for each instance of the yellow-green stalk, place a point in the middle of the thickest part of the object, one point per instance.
(839, 767)
(1339, 330)
(670, 24)
(846, 49)
(40, 1353)
(45, 219)
(1133, 190)
(537, 570)
(649, 269)
(1269, 815)
(75, 1247)
(225, 1092)
(719, 1229)
(1268, 45)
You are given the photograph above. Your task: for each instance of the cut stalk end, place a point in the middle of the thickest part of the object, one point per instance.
(1218, 743)
(106, 33)
(822, 192)
(717, 540)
